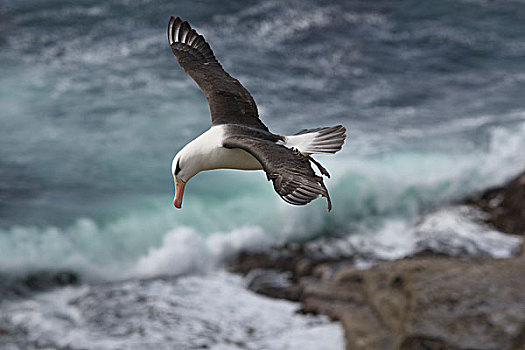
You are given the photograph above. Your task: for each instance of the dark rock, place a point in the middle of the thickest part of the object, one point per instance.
(293, 259)
(38, 281)
(272, 283)
(505, 206)
(281, 260)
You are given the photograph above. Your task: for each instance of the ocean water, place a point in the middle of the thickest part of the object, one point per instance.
(93, 107)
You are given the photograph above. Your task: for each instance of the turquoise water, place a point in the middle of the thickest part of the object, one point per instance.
(94, 107)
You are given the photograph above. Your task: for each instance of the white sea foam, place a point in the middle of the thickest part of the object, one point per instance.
(184, 250)
(453, 231)
(283, 24)
(214, 312)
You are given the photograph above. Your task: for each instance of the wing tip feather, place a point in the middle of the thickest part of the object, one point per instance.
(174, 23)
(182, 36)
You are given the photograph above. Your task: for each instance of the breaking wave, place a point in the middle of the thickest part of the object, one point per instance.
(374, 198)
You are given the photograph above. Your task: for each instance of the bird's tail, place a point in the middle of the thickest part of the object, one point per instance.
(328, 140)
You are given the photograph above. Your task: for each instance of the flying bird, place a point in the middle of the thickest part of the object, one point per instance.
(237, 138)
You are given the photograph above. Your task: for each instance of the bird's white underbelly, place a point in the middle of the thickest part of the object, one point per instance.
(207, 151)
(233, 158)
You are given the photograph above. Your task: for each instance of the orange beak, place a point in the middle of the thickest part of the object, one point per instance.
(179, 192)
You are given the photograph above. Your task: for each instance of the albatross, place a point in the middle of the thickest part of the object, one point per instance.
(237, 138)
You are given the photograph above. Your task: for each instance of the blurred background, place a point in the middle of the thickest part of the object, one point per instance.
(93, 107)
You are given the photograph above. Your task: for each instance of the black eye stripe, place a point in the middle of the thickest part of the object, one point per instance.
(177, 168)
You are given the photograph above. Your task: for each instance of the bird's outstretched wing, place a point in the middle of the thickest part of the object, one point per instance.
(292, 175)
(230, 102)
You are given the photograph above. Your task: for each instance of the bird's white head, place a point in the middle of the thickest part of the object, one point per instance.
(183, 168)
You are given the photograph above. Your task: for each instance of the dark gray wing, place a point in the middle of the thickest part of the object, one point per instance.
(292, 175)
(230, 102)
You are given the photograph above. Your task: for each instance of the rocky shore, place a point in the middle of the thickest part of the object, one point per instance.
(426, 301)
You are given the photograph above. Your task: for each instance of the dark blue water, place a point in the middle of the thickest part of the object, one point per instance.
(94, 106)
